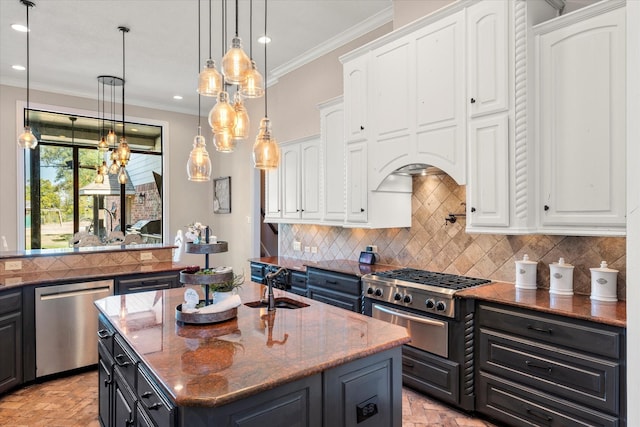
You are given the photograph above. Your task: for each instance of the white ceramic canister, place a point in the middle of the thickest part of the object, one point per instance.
(604, 283)
(526, 273)
(561, 278)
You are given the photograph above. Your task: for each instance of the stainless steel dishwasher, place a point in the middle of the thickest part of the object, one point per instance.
(66, 325)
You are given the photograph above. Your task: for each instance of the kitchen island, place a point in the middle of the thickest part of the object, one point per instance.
(316, 365)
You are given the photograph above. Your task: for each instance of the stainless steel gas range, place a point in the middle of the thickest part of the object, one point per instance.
(439, 358)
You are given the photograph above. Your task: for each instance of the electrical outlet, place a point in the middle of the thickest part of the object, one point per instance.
(374, 248)
(297, 246)
(146, 256)
(13, 265)
(307, 249)
(314, 249)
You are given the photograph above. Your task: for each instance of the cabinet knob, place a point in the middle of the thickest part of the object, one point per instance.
(361, 209)
(546, 207)
(302, 210)
(473, 209)
(473, 100)
(361, 127)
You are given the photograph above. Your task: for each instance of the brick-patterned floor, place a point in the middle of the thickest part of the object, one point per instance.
(73, 402)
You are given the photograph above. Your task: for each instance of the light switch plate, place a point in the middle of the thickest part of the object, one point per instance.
(146, 256)
(297, 246)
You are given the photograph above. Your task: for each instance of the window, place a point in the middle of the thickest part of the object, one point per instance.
(62, 197)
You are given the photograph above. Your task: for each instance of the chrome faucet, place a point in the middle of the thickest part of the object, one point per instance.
(270, 278)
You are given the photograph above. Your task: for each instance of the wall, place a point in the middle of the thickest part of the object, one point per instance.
(187, 201)
(431, 244)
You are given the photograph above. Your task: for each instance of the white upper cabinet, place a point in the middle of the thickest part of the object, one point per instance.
(273, 210)
(332, 131)
(487, 53)
(356, 197)
(355, 99)
(581, 132)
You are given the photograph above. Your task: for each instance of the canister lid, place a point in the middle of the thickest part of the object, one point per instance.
(561, 264)
(525, 260)
(604, 268)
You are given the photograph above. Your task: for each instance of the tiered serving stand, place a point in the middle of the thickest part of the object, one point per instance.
(189, 277)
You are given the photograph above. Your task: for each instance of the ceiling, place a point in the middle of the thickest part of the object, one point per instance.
(74, 41)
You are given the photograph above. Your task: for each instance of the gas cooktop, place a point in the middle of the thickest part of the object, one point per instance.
(422, 277)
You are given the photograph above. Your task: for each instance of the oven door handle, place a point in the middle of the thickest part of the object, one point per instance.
(404, 315)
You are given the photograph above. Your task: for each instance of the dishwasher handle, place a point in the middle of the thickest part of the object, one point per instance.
(69, 294)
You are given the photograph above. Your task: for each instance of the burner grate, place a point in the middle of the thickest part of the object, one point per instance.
(444, 280)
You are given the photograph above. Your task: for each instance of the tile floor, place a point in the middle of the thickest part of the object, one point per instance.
(72, 402)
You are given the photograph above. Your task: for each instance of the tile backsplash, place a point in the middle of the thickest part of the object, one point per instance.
(429, 244)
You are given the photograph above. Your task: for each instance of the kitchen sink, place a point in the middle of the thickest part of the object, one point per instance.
(281, 302)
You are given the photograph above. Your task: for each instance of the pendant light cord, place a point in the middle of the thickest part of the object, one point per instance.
(251, 29)
(265, 60)
(210, 56)
(124, 31)
(224, 34)
(236, 18)
(199, 53)
(28, 4)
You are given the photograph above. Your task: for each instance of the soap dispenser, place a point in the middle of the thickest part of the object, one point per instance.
(561, 278)
(604, 283)
(526, 273)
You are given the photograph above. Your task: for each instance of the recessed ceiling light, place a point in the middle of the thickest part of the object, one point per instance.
(19, 27)
(133, 130)
(264, 39)
(178, 97)
(18, 67)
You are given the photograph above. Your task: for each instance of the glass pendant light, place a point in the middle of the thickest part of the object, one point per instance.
(115, 167)
(124, 152)
(253, 84)
(112, 138)
(235, 63)
(99, 177)
(222, 116)
(103, 168)
(27, 139)
(199, 163)
(266, 152)
(241, 127)
(209, 79)
(224, 141)
(103, 146)
(122, 175)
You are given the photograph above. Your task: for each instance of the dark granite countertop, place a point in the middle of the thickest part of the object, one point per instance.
(338, 265)
(54, 276)
(576, 306)
(211, 365)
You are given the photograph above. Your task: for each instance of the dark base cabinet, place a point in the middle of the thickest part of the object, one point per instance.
(294, 282)
(337, 289)
(147, 282)
(436, 376)
(10, 339)
(298, 283)
(536, 368)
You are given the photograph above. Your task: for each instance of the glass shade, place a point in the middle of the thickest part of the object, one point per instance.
(222, 116)
(122, 175)
(113, 169)
(124, 152)
(235, 63)
(99, 177)
(224, 142)
(209, 79)
(27, 139)
(241, 128)
(253, 85)
(103, 170)
(112, 138)
(199, 163)
(266, 152)
(103, 145)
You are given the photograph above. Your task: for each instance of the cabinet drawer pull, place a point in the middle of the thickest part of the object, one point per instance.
(120, 360)
(539, 415)
(154, 407)
(103, 334)
(108, 381)
(146, 394)
(544, 331)
(128, 422)
(533, 365)
(332, 282)
(408, 364)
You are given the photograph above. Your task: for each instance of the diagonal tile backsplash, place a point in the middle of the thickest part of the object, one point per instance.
(429, 244)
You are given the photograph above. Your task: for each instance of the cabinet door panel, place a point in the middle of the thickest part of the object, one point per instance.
(311, 172)
(291, 182)
(272, 197)
(357, 183)
(355, 99)
(333, 141)
(11, 354)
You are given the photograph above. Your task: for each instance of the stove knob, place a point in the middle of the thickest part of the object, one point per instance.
(370, 291)
(441, 306)
(378, 292)
(407, 299)
(430, 303)
(397, 296)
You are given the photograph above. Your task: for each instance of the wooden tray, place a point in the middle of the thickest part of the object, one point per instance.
(205, 279)
(205, 318)
(206, 248)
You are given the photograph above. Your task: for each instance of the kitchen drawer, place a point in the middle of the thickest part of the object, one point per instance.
(10, 302)
(154, 402)
(603, 340)
(123, 402)
(337, 299)
(105, 334)
(147, 282)
(516, 405)
(298, 283)
(434, 375)
(125, 361)
(579, 378)
(257, 272)
(331, 280)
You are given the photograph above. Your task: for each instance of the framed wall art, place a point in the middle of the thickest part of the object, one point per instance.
(222, 195)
